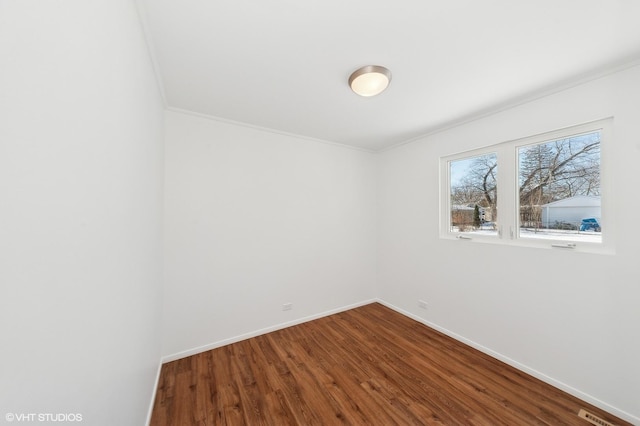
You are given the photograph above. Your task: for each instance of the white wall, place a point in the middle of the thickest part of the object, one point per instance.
(80, 211)
(255, 219)
(571, 317)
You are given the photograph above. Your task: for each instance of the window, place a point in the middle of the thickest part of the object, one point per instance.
(473, 195)
(548, 190)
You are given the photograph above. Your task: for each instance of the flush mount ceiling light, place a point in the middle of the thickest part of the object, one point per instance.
(370, 80)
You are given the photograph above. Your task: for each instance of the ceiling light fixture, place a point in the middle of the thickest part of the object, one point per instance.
(370, 80)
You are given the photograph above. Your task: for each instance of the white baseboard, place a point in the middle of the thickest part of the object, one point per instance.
(153, 394)
(218, 344)
(538, 375)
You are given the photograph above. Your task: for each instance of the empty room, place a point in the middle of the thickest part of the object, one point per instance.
(314, 213)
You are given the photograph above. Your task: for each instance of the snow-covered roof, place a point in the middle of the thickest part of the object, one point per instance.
(466, 207)
(577, 201)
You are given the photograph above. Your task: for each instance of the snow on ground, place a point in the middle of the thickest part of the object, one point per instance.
(558, 234)
(545, 234)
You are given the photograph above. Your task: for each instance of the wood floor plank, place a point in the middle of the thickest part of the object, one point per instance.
(377, 377)
(443, 361)
(401, 365)
(338, 380)
(365, 366)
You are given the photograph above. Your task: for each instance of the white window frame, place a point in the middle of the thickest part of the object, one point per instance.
(508, 197)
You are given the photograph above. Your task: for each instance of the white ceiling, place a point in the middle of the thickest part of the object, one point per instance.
(284, 64)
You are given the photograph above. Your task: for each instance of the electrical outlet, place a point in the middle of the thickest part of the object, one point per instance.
(422, 304)
(287, 306)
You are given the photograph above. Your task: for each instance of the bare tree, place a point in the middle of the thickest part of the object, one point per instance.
(556, 170)
(560, 169)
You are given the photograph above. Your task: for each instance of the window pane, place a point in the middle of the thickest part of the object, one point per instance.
(473, 194)
(559, 187)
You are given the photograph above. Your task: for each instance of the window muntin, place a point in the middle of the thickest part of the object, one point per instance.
(578, 176)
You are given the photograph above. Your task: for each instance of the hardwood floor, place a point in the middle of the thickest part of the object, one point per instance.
(366, 366)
